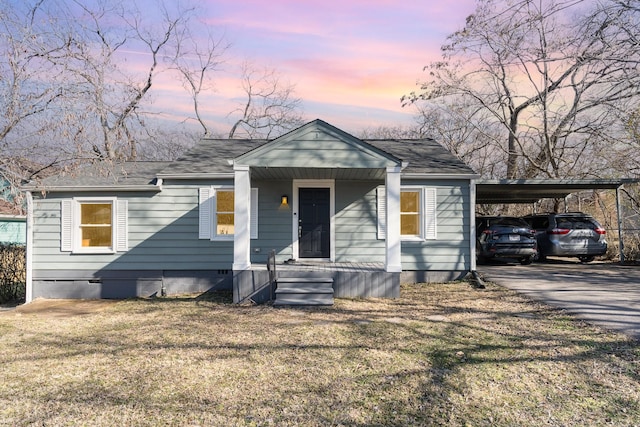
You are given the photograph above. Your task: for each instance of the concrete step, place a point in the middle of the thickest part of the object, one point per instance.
(305, 280)
(303, 299)
(304, 291)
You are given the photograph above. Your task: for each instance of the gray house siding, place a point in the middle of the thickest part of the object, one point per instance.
(164, 252)
(274, 222)
(356, 222)
(449, 256)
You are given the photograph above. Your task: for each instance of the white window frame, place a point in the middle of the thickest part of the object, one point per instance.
(428, 213)
(71, 234)
(214, 213)
(421, 213)
(208, 214)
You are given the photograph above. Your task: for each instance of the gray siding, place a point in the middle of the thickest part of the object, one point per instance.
(274, 221)
(163, 231)
(451, 250)
(164, 243)
(356, 222)
(314, 148)
(163, 235)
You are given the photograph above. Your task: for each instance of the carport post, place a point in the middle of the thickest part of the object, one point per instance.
(472, 220)
(619, 212)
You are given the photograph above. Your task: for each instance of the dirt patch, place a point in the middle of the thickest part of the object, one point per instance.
(63, 307)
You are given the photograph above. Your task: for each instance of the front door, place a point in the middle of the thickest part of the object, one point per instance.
(314, 235)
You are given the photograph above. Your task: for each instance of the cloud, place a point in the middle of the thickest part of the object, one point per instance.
(351, 58)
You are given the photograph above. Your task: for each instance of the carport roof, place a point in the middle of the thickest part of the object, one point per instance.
(531, 190)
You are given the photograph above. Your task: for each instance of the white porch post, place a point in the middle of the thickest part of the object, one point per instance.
(29, 254)
(241, 234)
(392, 194)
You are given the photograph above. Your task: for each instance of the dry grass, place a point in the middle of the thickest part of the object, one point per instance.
(440, 355)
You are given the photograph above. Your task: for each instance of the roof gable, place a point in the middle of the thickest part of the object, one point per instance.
(318, 145)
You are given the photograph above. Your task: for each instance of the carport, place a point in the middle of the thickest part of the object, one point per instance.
(532, 190)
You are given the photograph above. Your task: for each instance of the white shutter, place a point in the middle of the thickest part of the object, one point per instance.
(253, 226)
(122, 225)
(430, 209)
(66, 225)
(382, 213)
(205, 213)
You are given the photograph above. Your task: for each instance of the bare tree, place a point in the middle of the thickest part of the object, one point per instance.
(33, 84)
(195, 61)
(391, 132)
(553, 76)
(114, 95)
(472, 141)
(270, 106)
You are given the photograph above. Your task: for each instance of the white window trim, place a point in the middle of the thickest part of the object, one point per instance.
(421, 214)
(214, 213)
(428, 213)
(207, 214)
(70, 235)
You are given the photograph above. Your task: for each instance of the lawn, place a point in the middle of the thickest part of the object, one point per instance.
(442, 354)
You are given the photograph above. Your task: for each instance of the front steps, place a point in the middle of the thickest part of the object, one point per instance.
(304, 291)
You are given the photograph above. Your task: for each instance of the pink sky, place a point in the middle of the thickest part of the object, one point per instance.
(350, 60)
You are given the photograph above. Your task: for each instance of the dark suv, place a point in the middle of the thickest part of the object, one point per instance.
(568, 235)
(505, 237)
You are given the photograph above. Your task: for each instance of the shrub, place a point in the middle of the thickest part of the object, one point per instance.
(13, 273)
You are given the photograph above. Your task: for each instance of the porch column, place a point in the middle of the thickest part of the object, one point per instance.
(393, 250)
(29, 254)
(242, 203)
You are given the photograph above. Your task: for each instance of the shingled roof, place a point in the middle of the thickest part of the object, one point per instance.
(424, 156)
(214, 156)
(136, 175)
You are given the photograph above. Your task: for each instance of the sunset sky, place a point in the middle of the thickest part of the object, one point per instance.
(350, 60)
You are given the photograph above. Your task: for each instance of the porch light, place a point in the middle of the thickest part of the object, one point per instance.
(284, 200)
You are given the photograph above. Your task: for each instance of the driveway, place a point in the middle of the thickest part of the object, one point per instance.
(600, 293)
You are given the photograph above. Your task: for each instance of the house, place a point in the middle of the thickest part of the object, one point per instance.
(12, 224)
(353, 216)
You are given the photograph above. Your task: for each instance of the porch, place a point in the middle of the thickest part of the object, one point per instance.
(347, 279)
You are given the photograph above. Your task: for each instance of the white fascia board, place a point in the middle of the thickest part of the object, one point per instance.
(83, 189)
(439, 176)
(221, 175)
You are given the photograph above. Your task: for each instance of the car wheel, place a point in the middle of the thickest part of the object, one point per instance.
(586, 258)
(526, 260)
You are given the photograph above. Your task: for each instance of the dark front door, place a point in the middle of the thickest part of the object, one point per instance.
(314, 223)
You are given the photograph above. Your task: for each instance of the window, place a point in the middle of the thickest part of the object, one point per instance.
(216, 213)
(417, 213)
(94, 225)
(223, 223)
(410, 213)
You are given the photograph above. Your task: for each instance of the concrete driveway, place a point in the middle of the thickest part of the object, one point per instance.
(600, 293)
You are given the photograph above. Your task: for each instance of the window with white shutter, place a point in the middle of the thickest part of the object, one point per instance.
(94, 225)
(216, 213)
(418, 213)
